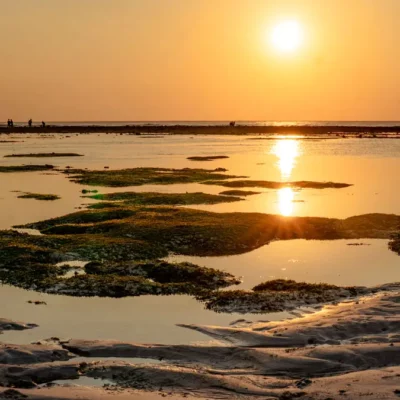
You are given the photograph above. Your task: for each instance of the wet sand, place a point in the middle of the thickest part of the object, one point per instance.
(348, 349)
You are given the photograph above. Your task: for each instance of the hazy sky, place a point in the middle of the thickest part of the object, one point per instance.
(114, 60)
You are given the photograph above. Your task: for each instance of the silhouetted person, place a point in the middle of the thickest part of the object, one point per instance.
(8, 122)
(30, 123)
(43, 124)
(232, 124)
(11, 123)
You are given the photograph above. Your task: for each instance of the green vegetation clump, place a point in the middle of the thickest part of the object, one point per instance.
(165, 272)
(145, 176)
(172, 199)
(30, 262)
(201, 233)
(39, 196)
(276, 296)
(394, 243)
(44, 155)
(207, 158)
(279, 185)
(86, 191)
(279, 285)
(124, 245)
(238, 193)
(26, 168)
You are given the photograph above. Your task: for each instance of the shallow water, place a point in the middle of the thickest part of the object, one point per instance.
(145, 319)
(370, 164)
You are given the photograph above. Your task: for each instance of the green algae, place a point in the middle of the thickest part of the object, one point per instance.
(124, 246)
(394, 243)
(39, 196)
(30, 262)
(276, 296)
(279, 285)
(238, 193)
(43, 155)
(134, 198)
(145, 176)
(26, 168)
(194, 232)
(165, 272)
(86, 191)
(279, 185)
(207, 158)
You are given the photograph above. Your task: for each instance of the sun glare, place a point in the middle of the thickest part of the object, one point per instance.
(287, 151)
(285, 201)
(287, 36)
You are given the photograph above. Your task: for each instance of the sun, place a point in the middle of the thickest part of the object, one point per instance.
(287, 36)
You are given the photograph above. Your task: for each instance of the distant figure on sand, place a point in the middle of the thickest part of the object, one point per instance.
(233, 123)
(30, 123)
(10, 123)
(43, 124)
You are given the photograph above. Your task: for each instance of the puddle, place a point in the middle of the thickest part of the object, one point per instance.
(83, 381)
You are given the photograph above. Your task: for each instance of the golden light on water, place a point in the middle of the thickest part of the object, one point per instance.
(285, 201)
(287, 151)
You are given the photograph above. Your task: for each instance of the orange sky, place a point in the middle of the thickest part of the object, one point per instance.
(109, 60)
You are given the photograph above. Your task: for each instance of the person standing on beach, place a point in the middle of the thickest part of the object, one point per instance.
(43, 124)
(8, 122)
(11, 123)
(30, 123)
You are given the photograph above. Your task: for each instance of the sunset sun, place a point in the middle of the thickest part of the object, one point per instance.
(287, 36)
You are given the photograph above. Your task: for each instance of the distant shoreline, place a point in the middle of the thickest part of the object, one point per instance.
(204, 130)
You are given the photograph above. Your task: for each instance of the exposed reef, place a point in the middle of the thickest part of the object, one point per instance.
(238, 193)
(194, 232)
(39, 196)
(130, 240)
(394, 243)
(26, 168)
(207, 158)
(43, 155)
(279, 295)
(8, 325)
(238, 129)
(280, 185)
(30, 262)
(145, 176)
(172, 199)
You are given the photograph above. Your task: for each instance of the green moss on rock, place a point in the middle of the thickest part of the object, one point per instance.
(145, 176)
(43, 155)
(39, 196)
(26, 168)
(137, 198)
(279, 185)
(238, 193)
(207, 158)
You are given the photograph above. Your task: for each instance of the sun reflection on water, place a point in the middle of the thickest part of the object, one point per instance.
(287, 151)
(285, 201)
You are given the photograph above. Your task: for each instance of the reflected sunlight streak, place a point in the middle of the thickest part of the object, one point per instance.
(285, 201)
(287, 151)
